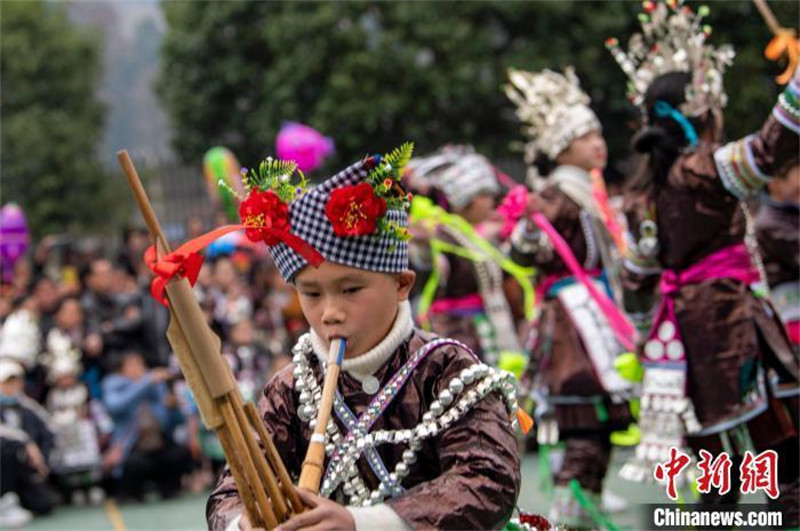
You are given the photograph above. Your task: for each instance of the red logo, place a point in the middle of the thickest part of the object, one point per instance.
(757, 472)
(670, 469)
(760, 473)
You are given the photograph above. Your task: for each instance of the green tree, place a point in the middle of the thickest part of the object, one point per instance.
(373, 74)
(52, 121)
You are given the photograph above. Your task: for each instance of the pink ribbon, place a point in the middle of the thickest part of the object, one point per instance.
(469, 303)
(620, 325)
(547, 283)
(730, 262)
(512, 209)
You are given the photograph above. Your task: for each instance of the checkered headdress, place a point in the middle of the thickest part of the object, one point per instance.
(383, 251)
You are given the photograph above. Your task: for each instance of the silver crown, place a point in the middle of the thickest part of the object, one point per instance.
(553, 108)
(673, 39)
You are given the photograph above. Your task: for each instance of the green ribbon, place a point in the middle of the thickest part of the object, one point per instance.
(591, 509)
(423, 209)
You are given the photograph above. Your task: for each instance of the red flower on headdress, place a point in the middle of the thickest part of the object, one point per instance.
(264, 210)
(354, 210)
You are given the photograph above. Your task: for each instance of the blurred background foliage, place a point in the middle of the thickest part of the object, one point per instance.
(52, 122)
(371, 74)
(368, 74)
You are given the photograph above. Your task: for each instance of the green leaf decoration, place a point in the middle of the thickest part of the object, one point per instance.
(275, 175)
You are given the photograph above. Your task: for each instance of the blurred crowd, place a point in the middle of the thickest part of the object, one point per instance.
(92, 402)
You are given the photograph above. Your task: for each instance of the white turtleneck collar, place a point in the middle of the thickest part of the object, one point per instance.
(577, 184)
(372, 360)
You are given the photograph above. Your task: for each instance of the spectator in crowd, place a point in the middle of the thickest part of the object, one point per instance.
(21, 340)
(195, 226)
(131, 257)
(66, 420)
(116, 317)
(249, 359)
(26, 440)
(23, 486)
(231, 303)
(76, 460)
(45, 296)
(69, 334)
(145, 415)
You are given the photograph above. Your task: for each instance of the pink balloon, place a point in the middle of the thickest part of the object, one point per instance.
(302, 144)
(14, 238)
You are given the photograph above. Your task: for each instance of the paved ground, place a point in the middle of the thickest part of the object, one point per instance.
(187, 513)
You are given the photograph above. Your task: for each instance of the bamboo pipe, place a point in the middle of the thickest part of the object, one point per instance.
(311, 473)
(216, 376)
(242, 485)
(242, 452)
(265, 473)
(194, 338)
(274, 458)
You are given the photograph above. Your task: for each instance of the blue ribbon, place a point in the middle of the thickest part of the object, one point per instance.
(665, 110)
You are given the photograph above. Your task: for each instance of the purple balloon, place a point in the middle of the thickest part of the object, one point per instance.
(302, 144)
(14, 238)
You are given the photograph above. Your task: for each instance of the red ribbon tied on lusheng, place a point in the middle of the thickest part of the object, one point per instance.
(186, 260)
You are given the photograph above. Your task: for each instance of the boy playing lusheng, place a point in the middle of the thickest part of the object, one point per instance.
(432, 444)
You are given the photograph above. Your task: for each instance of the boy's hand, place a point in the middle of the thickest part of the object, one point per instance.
(322, 515)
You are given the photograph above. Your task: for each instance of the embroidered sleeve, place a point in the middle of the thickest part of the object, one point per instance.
(746, 165)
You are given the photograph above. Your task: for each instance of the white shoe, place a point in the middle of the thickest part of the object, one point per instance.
(12, 515)
(613, 503)
(96, 495)
(78, 498)
(9, 499)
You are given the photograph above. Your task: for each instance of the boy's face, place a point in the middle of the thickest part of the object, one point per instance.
(342, 301)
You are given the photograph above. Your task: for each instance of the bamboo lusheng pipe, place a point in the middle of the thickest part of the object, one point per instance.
(215, 390)
(274, 458)
(311, 474)
(265, 474)
(176, 333)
